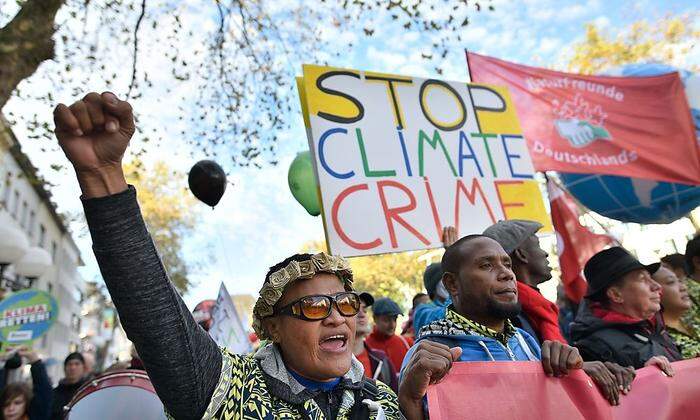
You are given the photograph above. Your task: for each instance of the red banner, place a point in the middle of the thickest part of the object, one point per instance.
(629, 126)
(569, 231)
(521, 390)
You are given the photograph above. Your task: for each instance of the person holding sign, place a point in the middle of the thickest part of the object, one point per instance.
(306, 306)
(18, 401)
(479, 276)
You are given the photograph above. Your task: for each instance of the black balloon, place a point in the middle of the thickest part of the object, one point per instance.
(207, 181)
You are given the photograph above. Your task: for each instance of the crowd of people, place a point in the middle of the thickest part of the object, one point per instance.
(322, 357)
(40, 401)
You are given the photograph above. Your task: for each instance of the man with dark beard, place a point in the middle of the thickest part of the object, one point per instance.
(539, 316)
(479, 277)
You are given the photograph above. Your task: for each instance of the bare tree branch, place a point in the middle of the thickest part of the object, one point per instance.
(136, 47)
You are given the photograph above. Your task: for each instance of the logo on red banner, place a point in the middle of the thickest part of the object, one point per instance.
(637, 127)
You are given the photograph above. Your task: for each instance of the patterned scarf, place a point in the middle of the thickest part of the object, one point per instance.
(456, 324)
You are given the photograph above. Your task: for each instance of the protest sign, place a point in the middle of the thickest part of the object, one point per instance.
(638, 127)
(518, 390)
(399, 158)
(227, 328)
(25, 316)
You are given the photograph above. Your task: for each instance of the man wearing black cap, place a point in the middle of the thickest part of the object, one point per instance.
(619, 319)
(383, 335)
(74, 369)
(376, 363)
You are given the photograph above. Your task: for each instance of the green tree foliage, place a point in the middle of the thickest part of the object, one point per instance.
(227, 67)
(667, 40)
(398, 276)
(167, 208)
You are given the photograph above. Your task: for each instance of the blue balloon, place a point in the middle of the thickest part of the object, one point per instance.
(640, 200)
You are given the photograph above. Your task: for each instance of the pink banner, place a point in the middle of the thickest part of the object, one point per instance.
(521, 390)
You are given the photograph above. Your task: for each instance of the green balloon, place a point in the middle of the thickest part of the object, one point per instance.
(302, 183)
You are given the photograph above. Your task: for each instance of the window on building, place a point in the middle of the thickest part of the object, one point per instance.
(54, 250)
(25, 213)
(42, 235)
(77, 294)
(50, 288)
(6, 193)
(30, 226)
(75, 322)
(15, 205)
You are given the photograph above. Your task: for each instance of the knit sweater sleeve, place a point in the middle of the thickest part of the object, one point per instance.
(183, 362)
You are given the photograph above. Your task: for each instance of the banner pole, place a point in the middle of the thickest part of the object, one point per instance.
(469, 70)
(581, 206)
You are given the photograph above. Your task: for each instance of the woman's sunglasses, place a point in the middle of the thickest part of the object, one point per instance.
(318, 307)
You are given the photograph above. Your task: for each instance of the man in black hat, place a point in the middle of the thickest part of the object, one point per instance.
(619, 319)
(376, 363)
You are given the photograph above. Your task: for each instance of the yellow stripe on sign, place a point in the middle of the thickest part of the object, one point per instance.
(495, 109)
(523, 199)
(327, 102)
(302, 100)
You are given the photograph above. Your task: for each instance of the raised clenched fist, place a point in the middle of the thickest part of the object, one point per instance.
(94, 133)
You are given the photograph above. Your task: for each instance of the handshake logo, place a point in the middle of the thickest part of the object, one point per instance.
(579, 121)
(581, 133)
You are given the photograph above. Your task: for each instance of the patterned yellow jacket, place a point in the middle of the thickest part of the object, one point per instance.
(260, 387)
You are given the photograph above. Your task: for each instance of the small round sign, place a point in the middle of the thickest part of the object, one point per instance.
(26, 316)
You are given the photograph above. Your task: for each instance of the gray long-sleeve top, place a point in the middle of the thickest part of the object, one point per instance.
(183, 362)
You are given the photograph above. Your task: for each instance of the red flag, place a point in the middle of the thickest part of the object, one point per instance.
(575, 243)
(629, 126)
(521, 390)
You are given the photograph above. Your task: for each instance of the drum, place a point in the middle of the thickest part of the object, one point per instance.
(120, 395)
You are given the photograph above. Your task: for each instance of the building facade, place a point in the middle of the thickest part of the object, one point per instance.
(26, 204)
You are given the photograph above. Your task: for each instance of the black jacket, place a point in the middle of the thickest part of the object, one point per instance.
(627, 344)
(62, 395)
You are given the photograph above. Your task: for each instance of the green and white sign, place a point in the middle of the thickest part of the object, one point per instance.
(25, 316)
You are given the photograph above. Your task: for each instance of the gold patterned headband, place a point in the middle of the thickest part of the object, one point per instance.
(274, 286)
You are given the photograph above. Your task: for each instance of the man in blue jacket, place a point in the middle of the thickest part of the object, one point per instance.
(479, 277)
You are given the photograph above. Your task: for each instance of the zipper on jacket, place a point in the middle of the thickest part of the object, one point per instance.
(507, 349)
